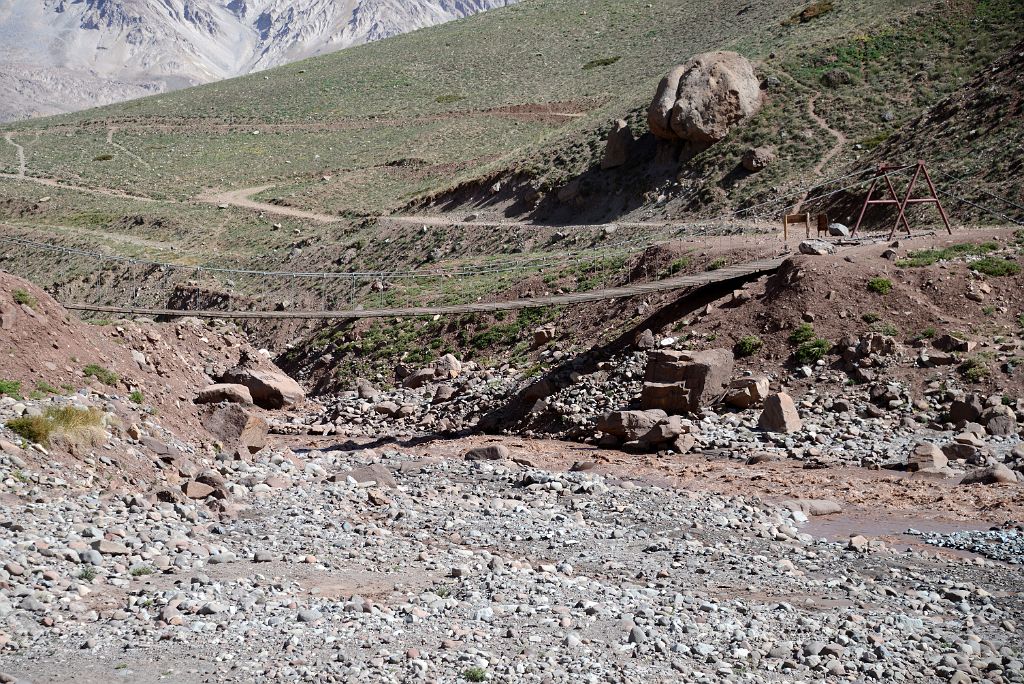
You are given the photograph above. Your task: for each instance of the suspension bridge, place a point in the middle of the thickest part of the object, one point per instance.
(118, 284)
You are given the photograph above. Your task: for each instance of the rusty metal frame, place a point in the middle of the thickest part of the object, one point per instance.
(884, 171)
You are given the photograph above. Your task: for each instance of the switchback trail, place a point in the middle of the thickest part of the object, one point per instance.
(9, 137)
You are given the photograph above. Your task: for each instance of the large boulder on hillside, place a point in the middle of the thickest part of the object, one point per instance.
(629, 426)
(700, 101)
(680, 382)
(780, 414)
(236, 428)
(270, 389)
(618, 146)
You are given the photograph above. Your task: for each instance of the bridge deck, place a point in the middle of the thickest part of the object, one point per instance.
(727, 273)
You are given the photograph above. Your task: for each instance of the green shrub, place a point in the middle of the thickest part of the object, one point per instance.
(716, 264)
(870, 317)
(88, 574)
(927, 334)
(10, 388)
(991, 266)
(812, 351)
(603, 62)
(974, 369)
(749, 345)
(889, 329)
(107, 377)
(882, 286)
(802, 333)
(475, 674)
(141, 570)
(71, 425)
(23, 297)
(136, 397)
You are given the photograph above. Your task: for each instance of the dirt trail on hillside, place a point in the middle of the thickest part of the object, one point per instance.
(53, 183)
(9, 137)
(110, 141)
(832, 152)
(243, 198)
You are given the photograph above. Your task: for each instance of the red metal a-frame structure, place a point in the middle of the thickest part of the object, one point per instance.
(884, 172)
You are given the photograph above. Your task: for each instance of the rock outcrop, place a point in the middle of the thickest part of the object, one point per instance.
(270, 388)
(617, 148)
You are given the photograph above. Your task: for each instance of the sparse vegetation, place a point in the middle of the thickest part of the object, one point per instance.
(67, 424)
(870, 317)
(882, 286)
(996, 267)
(24, 297)
(104, 375)
(136, 397)
(716, 264)
(749, 345)
(141, 571)
(10, 388)
(812, 351)
(87, 574)
(801, 334)
(927, 257)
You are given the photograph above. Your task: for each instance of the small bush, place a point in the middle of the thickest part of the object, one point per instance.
(812, 351)
(991, 266)
(88, 574)
(882, 286)
(10, 388)
(801, 334)
(927, 334)
(870, 317)
(716, 264)
(66, 423)
(974, 369)
(23, 297)
(475, 674)
(889, 329)
(141, 570)
(603, 62)
(749, 345)
(107, 377)
(136, 397)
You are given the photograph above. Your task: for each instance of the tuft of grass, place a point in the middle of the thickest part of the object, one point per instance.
(812, 351)
(64, 423)
(888, 329)
(927, 334)
(716, 264)
(991, 266)
(10, 388)
(870, 317)
(88, 574)
(24, 297)
(882, 286)
(475, 674)
(449, 98)
(801, 334)
(927, 257)
(136, 397)
(104, 375)
(46, 388)
(749, 345)
(141, 571)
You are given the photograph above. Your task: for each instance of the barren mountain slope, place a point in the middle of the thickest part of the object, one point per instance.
(60, 56)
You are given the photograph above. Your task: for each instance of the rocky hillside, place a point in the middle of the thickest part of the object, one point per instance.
(58, 56)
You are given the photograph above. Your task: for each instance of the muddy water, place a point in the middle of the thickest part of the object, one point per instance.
(891, 527)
